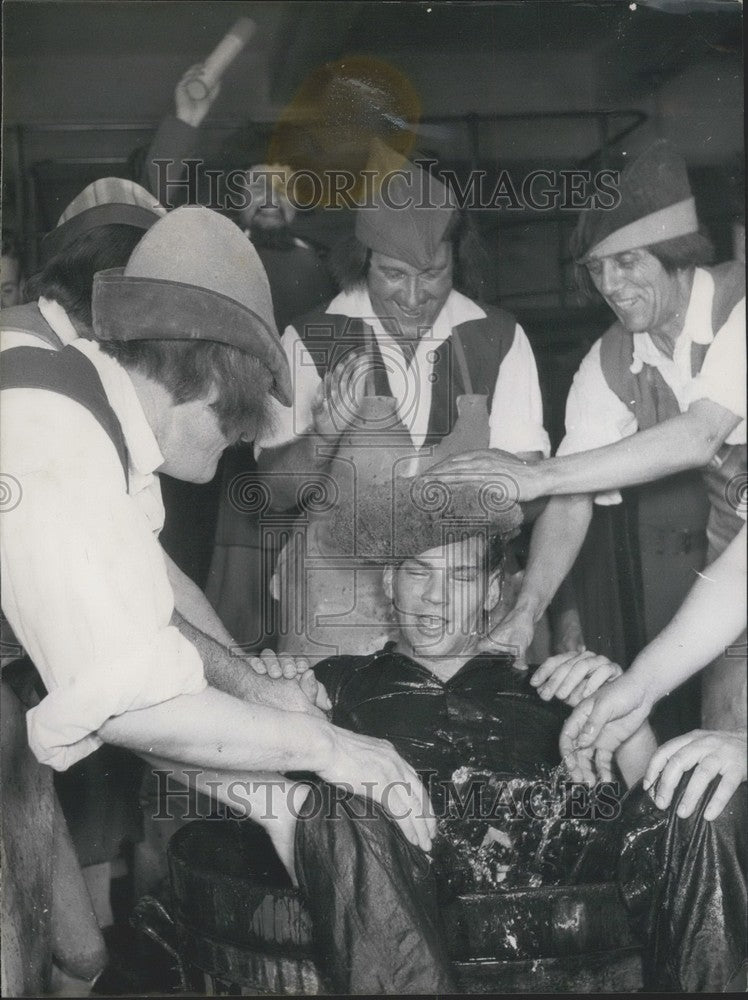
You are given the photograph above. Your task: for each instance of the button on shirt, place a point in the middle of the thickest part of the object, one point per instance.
(516, 418)
(595, 416)
(85, 586)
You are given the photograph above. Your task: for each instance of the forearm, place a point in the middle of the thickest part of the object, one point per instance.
(566, 627)
(193, 606)
(248, 795)
(564, 601)
(634, 755)
(214, 730)
(174, 142)
(711, 617)
(688, 441)
(557, 537)
(224, 669)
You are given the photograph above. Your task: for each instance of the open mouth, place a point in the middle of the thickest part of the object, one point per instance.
(430, 625)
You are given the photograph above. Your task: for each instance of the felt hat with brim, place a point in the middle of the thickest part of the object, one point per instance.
(108, 201)
(399, 519)
(193, 276)
(409, 211)
(656, 204)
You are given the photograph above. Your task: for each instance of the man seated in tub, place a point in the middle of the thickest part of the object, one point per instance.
(463, 720)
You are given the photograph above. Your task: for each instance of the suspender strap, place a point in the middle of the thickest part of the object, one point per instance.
(69, 373)
(459, 350)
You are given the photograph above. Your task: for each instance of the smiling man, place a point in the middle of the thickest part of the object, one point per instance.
(425, 343)
(662, 391)
(406, 359)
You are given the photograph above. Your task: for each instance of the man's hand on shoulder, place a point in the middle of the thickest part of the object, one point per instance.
(284, 682)
(277, 665)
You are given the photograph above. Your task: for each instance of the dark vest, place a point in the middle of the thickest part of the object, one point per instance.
(329, 337)
(652, 401)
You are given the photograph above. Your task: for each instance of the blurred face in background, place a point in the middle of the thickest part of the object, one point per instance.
(10, 276)
(268, 206)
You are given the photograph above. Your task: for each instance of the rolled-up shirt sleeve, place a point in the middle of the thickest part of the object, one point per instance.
(723, 373)
(595, 416)
(516, 421)
(85, 587)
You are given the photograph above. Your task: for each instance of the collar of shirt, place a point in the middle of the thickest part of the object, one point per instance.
(697, 329)
(409, 383)
(143, 450)
(58, 319)
(457, 309)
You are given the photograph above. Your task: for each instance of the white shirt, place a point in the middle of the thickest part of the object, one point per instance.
(595, 416)
(516, 418)
(85, 587)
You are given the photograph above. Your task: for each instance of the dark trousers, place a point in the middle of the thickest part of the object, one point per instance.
(372, 895)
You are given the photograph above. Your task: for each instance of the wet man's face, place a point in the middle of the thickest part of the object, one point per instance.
(408, 299)
(642, 294)
(440, 598)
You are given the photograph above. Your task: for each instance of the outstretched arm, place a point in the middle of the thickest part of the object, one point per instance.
(571, 677)
(176, 139)
(711, 617)
(214, 731)
(688, 441)
(557, 537)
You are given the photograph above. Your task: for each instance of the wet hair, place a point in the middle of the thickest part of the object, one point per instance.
(350, 259)
(193, 369)
(692, 250)
(68, 276)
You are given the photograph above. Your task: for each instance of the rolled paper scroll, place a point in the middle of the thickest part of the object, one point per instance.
(221, 58)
